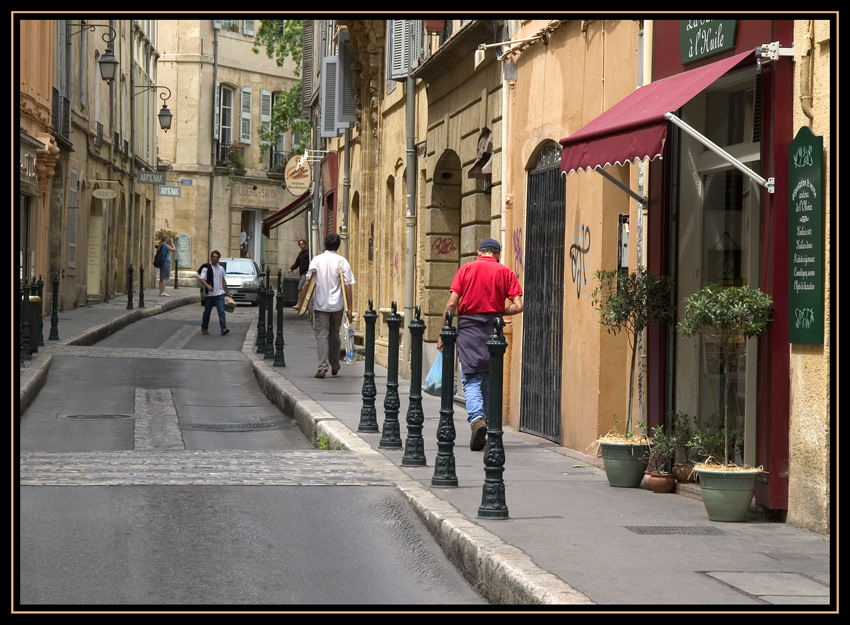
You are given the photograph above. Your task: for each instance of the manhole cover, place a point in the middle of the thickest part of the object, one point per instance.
(91, 417)
(232, 427)
(678, 530)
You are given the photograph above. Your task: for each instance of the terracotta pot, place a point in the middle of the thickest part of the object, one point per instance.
(659, 482)
(684, 472)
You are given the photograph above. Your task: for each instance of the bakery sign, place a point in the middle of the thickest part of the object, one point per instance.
(297, 175)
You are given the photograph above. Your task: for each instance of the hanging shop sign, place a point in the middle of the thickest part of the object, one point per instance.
(699, 39)
(805, 239)
(169, 190)
(104, 194)
(150, 177)
(298, 177)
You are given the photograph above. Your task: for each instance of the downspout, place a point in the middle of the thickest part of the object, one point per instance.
(346, 184)
(410, 246)
(132, 183)
(212, 141)
(806, 72)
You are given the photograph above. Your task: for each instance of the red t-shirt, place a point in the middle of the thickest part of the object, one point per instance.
(483, 286)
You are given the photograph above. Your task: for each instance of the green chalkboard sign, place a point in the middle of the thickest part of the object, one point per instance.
(699, 39)
(805, 239)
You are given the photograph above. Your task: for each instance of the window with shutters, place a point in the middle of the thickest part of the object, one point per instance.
(73, 200)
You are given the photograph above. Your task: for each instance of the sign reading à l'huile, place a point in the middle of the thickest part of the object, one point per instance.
(805, 239)
(699, 39)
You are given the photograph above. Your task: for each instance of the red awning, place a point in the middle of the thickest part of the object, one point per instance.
(635, 128)
(295, 207)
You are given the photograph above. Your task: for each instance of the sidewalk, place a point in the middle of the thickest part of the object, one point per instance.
(570, 540)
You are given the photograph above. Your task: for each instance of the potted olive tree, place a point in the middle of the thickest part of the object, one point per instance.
(627, 303)
(725, 317)
(662, 450)
(684, 428)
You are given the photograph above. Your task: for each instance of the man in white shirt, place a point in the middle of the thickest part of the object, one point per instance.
(213, 280)
(329, 305)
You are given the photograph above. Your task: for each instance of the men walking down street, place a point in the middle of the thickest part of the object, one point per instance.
(332, 274)
(478, 294)
(212, 278)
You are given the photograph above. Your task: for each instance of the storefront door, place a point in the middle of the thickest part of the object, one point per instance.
(718, 214)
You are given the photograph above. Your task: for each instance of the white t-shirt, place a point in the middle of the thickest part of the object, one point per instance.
(216, 282)
(328, 294)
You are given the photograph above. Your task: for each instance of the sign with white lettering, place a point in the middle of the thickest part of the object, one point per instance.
(169, 191)
(805, 239)
(186, 182)
(699, 39)
(150, 177)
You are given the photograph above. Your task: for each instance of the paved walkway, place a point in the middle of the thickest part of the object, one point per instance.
(570, 541)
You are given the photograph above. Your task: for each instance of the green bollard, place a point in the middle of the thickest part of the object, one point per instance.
(368, 418)
(493, 504)
(390, 436)
(444, 465)
(414, 445)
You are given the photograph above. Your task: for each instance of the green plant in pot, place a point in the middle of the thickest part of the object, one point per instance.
(628, 303)
(662, 451)
(725, 316)
(684, 427)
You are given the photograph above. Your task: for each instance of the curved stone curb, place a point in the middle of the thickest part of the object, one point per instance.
(501, 573)
(32, 378)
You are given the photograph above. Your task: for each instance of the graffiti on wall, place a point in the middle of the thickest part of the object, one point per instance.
(518, 250)
(443, 245)
(578, 254)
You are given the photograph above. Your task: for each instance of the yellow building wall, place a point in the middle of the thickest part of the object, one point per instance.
(811, 403)
(583, 69)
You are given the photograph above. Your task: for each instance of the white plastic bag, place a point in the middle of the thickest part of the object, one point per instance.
(348, 340)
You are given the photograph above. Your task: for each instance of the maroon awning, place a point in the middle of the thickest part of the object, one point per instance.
(295, 207)
(635, 128)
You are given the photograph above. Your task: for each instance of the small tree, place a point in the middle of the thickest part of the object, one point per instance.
(629, 302)
(725, 315)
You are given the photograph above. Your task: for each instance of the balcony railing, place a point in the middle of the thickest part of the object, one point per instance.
(61, 115)
(277, 160)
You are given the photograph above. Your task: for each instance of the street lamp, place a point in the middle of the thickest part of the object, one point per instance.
(108, 63)
(165, 115)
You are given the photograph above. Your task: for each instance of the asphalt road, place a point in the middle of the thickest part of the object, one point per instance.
(154, 473)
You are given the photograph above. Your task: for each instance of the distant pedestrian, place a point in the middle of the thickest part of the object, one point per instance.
(213, 280)
(302, 263)
(166, 246)
(329, 302)
(478, 294)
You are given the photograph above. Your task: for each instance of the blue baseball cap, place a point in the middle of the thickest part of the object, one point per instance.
(490, 243)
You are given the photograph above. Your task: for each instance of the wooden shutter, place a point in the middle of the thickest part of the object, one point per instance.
(328, 98)
(245, 115)
(265, 111)
(307, 67)
(346, 111)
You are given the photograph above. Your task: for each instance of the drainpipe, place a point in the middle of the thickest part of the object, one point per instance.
(132, 184)
(346, 184)
(410, 247)
(212, 149)
(806, 72)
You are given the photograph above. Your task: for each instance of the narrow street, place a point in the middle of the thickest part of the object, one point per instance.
(153, 471)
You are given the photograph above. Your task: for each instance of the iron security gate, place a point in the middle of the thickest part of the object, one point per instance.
(542, 336)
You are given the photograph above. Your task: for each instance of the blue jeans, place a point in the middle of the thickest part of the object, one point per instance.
(476, 393)
(209, 302)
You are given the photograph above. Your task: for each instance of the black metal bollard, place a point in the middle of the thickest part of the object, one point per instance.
(54, 316)
(390, 436)
(175, 271)
(32, 318)
(141, 286)
(269, 353)
(261, 322)
(414, 445)
(40, 284)
(493, 504)
(25, 326)
(130, 287)
(444, 465)
(278, 355)
(368, 418)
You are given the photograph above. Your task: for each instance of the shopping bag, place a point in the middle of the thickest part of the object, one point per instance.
(229, 304)
(348, 340)
(434, 379)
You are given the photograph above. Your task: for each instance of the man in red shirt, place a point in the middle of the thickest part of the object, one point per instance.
(478, 294)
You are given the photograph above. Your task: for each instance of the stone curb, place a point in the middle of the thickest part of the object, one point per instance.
(501, 573)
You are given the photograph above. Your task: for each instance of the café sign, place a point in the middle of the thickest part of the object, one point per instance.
(805, 239)
(699, 39)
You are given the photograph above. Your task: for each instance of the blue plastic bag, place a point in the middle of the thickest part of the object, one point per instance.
(434, 379)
